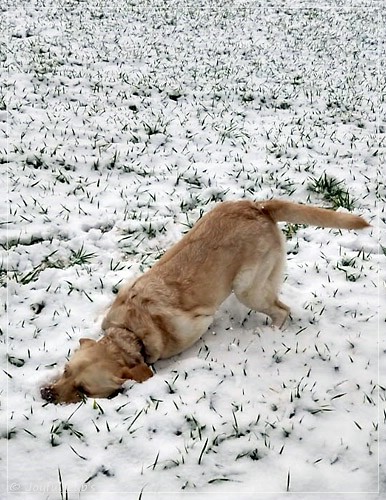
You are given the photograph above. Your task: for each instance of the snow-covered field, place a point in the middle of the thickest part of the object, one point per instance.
(122, 121)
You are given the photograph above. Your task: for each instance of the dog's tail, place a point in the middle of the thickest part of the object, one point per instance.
(285, 211)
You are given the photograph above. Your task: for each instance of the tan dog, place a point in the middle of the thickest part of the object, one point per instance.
(236, 247)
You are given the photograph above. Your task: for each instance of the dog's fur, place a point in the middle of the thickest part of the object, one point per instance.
(236, 247)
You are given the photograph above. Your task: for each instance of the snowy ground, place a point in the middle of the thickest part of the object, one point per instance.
(121, 123)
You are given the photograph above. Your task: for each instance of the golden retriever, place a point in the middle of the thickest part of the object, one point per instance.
(235, 247)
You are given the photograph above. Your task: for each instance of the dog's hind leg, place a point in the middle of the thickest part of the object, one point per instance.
(278, 312)
(269, 305)
(258, 289)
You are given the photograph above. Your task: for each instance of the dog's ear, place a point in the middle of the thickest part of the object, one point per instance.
(86, 342)
(139, 373)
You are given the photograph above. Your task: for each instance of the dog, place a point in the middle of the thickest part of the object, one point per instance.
(236, 247)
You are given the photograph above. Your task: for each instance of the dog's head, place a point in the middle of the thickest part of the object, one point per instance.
(94, 372)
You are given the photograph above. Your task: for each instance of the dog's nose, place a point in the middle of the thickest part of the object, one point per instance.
(115, 393)
(48, 393)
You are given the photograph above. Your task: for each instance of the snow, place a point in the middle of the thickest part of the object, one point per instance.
(122, 122)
